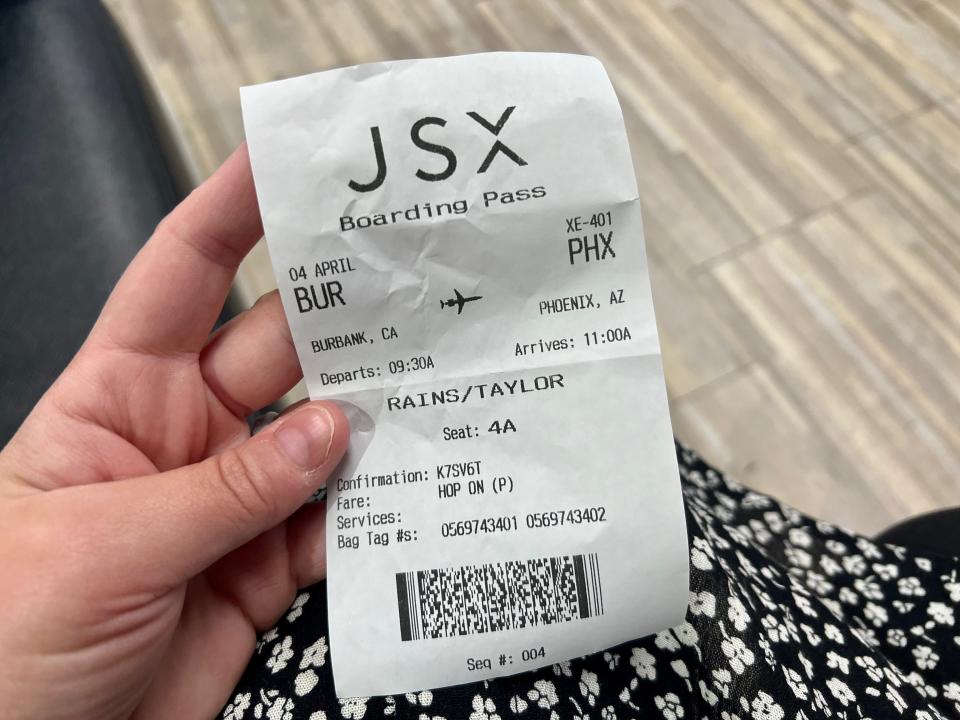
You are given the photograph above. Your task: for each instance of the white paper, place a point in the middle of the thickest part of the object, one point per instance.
(478, 299)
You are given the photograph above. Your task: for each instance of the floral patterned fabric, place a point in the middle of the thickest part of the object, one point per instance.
(788, 618)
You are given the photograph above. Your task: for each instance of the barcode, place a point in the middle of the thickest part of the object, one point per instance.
(473, 599)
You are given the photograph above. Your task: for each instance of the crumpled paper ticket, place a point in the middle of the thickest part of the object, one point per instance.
(459, 250)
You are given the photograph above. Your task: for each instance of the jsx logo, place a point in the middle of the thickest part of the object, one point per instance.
(442, 150)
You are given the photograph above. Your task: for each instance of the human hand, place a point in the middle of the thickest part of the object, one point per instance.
(144, 536)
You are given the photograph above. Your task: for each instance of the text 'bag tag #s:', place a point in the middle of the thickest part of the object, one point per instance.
(459, 251)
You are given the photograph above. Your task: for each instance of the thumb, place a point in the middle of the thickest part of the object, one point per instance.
(188, 518)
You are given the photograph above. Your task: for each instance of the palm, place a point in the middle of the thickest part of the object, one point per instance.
(148, 392)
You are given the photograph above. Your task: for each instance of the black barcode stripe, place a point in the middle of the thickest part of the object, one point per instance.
(581, 586)
(475, 599)
(596, 574)
(403, 602)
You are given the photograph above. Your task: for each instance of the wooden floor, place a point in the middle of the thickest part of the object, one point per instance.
(799, 168)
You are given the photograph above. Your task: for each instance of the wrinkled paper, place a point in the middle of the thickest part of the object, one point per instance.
(459, 250)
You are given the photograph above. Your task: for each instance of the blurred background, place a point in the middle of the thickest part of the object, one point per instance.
(799, 169)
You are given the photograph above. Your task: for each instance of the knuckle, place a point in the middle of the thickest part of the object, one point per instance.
(246, 484)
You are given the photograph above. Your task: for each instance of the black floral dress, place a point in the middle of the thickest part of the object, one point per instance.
(789, 618)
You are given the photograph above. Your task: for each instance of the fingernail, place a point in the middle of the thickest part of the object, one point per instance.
(305, 436)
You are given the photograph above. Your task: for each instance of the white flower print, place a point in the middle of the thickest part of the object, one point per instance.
(867, 636)
(764, 707)
(807, 665)
(273, 706)
(608, 713)
(612, 660)
(868, 588)
(700, 554)
(767, 651)
(484, 709)
(314, 655)
(236, 709)
(886, 571)
(296, 610)
(952, 587)
(835, 608)
(665, 640)
(951, 691)
(745, 564)
(589, 687)
(707, 694)
(644, 663)
(803, 602)
(776, 631)
(926, 658)
(423, 698)
(812, 637)
(703, 603)
(819, 584)
(798, 557)
(517, 705)
(774, 521)
(896, 699)
(318, 715)
(686, 634)
(760, 532)
(941, 613)
(753, 499)
(738, 613)
(544, 694)
(353, 708)
(896, 637)
(800, 537)
(910, 586)
(820, 702)
(869, 549)
(924, 563)
(854, 564)
(833, 633)
(305, 681)
(893, 676)
(838, 662)
(739, 656)
(721, 681)
(268, 637)
(740, 535)
(579, 714)
(836, 547)
(848, 596)
(829, 565)
(839, 689)
(877, 614)
(669, 705)
(562, 669)
(280, 654)
(903, 607)
(796, 683)
(870, 666)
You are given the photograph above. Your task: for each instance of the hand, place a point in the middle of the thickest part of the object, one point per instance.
(144, 536)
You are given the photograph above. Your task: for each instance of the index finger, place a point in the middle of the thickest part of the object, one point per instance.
(169, 297)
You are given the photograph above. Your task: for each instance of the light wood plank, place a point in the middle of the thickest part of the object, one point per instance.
(799, 168)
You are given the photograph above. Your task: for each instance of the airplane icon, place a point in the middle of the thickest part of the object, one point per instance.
(459, 301)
